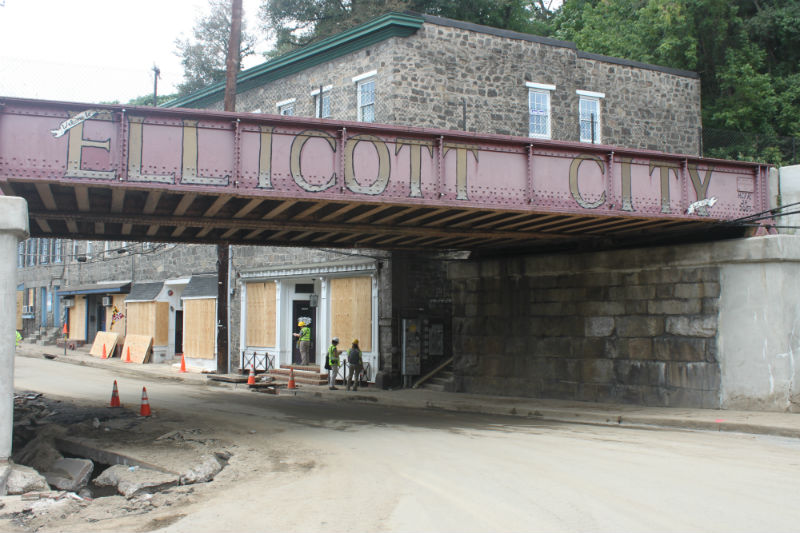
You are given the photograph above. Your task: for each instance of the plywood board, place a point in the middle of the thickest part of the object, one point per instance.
(77, 319)
(20, 302)
(260, 325)
(117, 324)
(200, 328)
(141, 318)
(141, 346)
(108, 339)
(161, 325)
(351, 311)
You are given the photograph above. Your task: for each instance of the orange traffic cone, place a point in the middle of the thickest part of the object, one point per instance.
(104, 352)
(251, 379)
(115, 396)
(145, 410)
(183, 363)
(291, 384)
(128, 355)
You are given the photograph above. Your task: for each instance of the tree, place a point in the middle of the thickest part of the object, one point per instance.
(203, 58)
(294, 23)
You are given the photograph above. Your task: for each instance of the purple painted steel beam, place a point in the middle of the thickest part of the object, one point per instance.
(291, 159)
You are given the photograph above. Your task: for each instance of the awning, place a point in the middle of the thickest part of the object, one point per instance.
(144, 292)
(122, 287)
(201, 286)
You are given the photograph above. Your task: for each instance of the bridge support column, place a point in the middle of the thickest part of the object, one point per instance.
(13, 228)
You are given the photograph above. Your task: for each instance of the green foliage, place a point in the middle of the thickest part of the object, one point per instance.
(746, 52)
(204, 57)
(294, 23)
(147, 99)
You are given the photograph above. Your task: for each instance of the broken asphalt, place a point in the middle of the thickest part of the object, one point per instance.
(754, 422)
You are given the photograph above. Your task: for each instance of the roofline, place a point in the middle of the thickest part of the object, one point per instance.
(379, 29)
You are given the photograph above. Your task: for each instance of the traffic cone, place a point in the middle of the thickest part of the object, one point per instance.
(115, 396)
(104, 352)
(145, 410)
(183, 363)
(128, 355)
(291, 384)
(251, 379)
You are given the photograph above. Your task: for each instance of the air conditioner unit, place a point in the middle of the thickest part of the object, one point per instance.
(107, 301)
(69, 302)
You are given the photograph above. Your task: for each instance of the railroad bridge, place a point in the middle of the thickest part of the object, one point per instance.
(677, 329)
(112, 172)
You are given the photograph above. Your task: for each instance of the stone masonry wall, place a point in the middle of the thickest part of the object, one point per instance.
(441, 66)
(557, 328)
(424, 80)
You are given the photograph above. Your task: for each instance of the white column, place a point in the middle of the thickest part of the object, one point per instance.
(13, 228)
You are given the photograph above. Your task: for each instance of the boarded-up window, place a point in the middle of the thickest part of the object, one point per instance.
(351, 311)
(261, 314)
(77, 319)
(150, 319)
(199, 327)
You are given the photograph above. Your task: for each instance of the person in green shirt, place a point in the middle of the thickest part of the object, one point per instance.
(333, 363)
(304, 344)
(19, 340)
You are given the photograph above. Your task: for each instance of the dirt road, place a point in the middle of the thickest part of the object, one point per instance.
(303, 464)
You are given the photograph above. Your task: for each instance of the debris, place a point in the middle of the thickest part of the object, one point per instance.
(70, 474)
(203, 472)
(130, 483)
(23, 479)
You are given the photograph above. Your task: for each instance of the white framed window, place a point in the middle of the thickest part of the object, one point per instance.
(44, 251)
(57, 251)
(589, 116)
(322, 102)
(286, 107)
(365, 89)
(539, 109)
(21, 254)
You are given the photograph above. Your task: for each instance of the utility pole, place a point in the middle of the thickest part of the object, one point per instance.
(223, 250)
(156, 74)
(232, 63)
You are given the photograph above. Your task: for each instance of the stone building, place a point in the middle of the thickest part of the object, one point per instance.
(425, 71)
(651, 327)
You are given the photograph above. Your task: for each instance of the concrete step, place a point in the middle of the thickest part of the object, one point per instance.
(308, 375)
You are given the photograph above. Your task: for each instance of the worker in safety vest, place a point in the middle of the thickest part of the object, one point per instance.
(333, 363)
(304, 341)
(355, 364)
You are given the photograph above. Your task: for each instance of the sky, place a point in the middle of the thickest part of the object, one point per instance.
(98, 50)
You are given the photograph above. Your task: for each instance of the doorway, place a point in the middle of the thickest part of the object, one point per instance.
(179, 331)
(302, 308)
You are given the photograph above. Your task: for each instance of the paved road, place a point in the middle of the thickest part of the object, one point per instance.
(304, 465)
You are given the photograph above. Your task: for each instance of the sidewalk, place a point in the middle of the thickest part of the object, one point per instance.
(754, 422)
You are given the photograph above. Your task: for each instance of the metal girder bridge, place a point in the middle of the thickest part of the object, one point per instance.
(111, 172)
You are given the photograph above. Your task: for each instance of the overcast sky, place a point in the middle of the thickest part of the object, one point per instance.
(97, 50)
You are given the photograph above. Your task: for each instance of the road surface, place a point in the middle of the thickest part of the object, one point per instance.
(305, 464)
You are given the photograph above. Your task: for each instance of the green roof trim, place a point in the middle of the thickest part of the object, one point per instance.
(372, 32)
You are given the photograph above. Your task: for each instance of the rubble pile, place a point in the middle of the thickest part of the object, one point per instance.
(45, 482)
